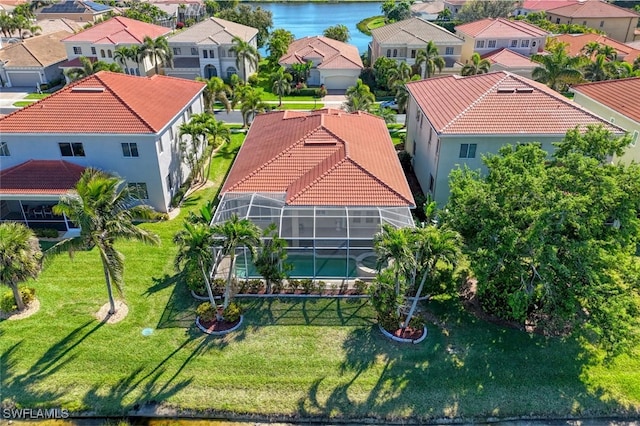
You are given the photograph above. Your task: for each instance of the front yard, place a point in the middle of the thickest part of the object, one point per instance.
(300, 358)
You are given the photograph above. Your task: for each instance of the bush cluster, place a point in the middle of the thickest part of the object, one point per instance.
(8, 303)
(206, 312)
(232, 313)
(46, 232)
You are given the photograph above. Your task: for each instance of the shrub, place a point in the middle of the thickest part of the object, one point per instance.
(360, 286)
(306, 285)
(46, 232)
(218, 285)
(405, 160)
(384, 300)
(293, 286)
(255, 286)
(277, 286)
(206, 312)
(321, 286)
(232, 313)
(304, 92)
(416, 322)
(253, 80)
(28, 294)
(7, 303)
(194, 279)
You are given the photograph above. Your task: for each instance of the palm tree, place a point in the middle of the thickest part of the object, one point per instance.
(195, 250)
(158, 50)
(359, 97)
(431, 60)
(231, 234)
(191, 151)
(90, 68)
(557, 69)
(122, 54)
(6, 24)
(215, 90)
(281, 83)
(20, 257)
(476, 66)
(596, 70)
(590, 49)
(102, 209)
(216, 130)
(402, 73)
(636, 63)
(393, 246)
(270, 260)
(23, 23)
(609, 52)
(251, 104)
(245, 52)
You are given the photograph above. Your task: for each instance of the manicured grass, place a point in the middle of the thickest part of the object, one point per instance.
(307, 106)
(315, 357)
(37, 95)
(22, 104)
(366, 25)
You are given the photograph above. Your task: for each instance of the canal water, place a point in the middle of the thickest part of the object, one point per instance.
(311, 19)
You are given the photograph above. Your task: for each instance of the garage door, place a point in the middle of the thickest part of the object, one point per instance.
(339, 82)
(24, 79)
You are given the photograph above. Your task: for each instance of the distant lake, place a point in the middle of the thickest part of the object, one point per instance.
(310, 19)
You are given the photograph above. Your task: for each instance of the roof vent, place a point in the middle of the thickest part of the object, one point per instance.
(506, 90)
(524, 90)
(87, 89)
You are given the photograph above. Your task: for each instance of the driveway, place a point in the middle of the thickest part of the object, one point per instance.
(9, 95)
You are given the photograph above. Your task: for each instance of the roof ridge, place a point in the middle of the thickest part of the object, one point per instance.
(355, 163)
(319, 178)
(31, 53)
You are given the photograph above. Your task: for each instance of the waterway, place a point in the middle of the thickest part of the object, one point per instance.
(311, 19)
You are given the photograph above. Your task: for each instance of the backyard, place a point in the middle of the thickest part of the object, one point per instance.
(291, 359)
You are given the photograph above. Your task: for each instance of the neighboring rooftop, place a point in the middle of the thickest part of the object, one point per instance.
(40, 51)
(59, 24)
(498, 103)
(214, 31)
(414, 31)
(326, 157)
(500, 28)
(334, 54)
(539, 5)
(509, 58)
(54, 177)
(106, 102)
(119, 30)
(75, 7)
(593, 9)
(575, 43)
(620, 95)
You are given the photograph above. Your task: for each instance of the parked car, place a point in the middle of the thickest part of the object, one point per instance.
(389, 104)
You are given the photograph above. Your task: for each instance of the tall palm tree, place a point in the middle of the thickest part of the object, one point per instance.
(431, 59)
(245, 52)
(608, 51)
(215, 90)
(90, 68)
(159, 51)
(636, 63)
(20, 257)
(195, 249)
(393, 246)
(359, 97)
(590, 49)
(232, 234)
(476, 66)
(102, 208)
(281, 83)
(557, 69)
(192, 146)
(122, 54)
(620, 69)
(251, 104)
(596, 70)
(402, 73)
(218, 133)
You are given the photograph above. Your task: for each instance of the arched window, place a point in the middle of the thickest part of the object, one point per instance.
(395, 52)
(109, 54)
(210, 71)
(231, 71)
(137, 71)
(388, 53)
(132, 71)
(102, 53)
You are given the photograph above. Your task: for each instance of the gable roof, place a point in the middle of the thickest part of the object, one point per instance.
(106, 102)
(40, 51)
(593, 9)
(575, 43)
(325, 157)
(75, 6)
(59, 24)
(509, 58)
(118, 30)
(413, 31)
(214, 31)
(498, 103)
(620, 95)
(538, 5)
(55, 177)
(334, 54)
(500, 28)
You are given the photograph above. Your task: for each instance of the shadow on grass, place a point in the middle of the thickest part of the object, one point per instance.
(179, 312)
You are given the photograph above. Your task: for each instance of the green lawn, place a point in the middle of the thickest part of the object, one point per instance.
(304, 106)
(22, 104)
(37, 96)
(366, 25)
(319, 357)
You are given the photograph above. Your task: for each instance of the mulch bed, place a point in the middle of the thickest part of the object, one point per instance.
(408, 333)
(217, 326)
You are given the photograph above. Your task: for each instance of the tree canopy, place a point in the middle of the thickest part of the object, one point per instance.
(278, 44)
(337, 32)
(253, 17)
(480, 9)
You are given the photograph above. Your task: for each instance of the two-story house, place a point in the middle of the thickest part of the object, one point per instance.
(402, 40)
(204, 50)
(488, 111)
(100, 42)
(126, 125)
(576, 42)
(487, 35)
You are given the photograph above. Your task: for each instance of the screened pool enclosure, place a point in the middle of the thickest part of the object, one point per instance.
(323, 241)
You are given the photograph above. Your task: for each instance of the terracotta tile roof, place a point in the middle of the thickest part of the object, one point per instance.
(575, 43)
(621, 95)
(509, 58)
(500, 28)
(40, 51)
(214, 31)
(119, 30)
(326, 157)
(335, 54)
(634, 44)
(40, 177)
(414, 31)
(538, 5)
(498, 103)
(106, 103)
(75, 62)
(593, 9)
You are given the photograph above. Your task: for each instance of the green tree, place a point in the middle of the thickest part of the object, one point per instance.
(476, 66)
(159, 52)
(195, 250)
(278, 44)
(245, 52)
(596, 70)
(251, 104)
(103, 210)
(557, 69)
(393, 247)
(271, 259)
(400, 73)
(145, 12)
(359, 97)
(20, 257)
(338, 32)
(590, 49)
(231, 235)
(476, 10)
(253, 17)
(382, 69)
(300, 72)
(281, 83)
(218, 133)
(431, 59)
(215, 90)
(90, 68)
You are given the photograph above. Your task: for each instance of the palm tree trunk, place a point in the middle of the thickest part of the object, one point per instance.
(398, 290)
(227, 289)
(107, 277)
(17, 296)
(405, 324)
(207, 283)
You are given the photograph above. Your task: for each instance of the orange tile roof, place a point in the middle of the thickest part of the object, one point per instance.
(106, 102)
(593, 9)
(510, 59)
(537, 5)
(500, 28)
(575, 43)
(51, 177)
(335, 54)
(621, 95)
(119, 30)
(326, 157)
(498, 103)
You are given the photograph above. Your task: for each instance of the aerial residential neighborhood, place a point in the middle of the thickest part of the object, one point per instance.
(409, 212)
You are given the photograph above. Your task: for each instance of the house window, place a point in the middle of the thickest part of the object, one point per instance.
(109, 54)
(395, 53)
(129, 149)
(138, 190)
(177, 51)
(4, 149)
(223, 53)
(612, 120)
(480, 44)
(71, 149)
(514, 43)
(189, 111)
(413, 53)
(194, 51)
(468, 150)
(533, 44)
(634, 140)
(205, 54)
(413, 149)
(431, 182)
(77, 50)
(557, 20)
(160, 146)
(212, 53)
(584, 23)
(491, 43)
(601, 24)
(448, 51)
(171, 133)
(93, 50)
(421, 120)
(102, 53)
(388, 53)
(169, 182)
(232, 54)
(525, 43)
(438, 146)
(231, 71)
